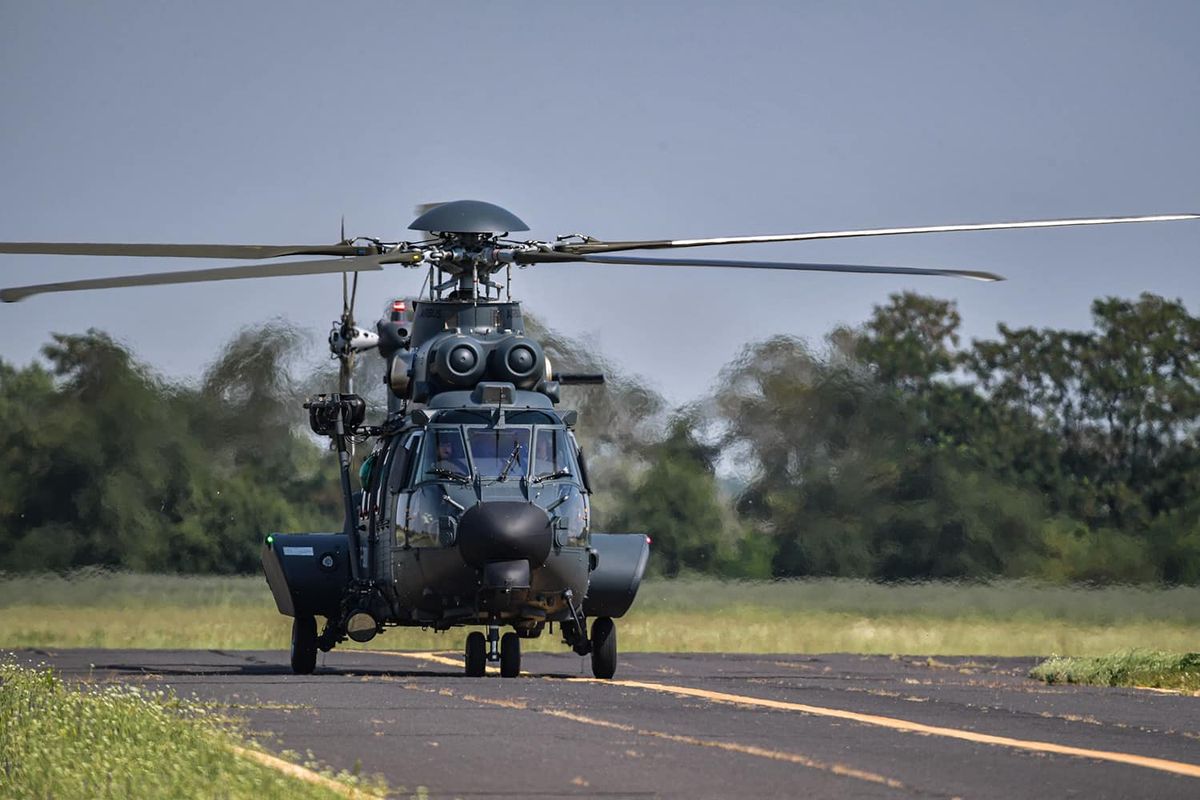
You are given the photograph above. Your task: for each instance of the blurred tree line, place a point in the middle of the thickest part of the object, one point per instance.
(892, 451)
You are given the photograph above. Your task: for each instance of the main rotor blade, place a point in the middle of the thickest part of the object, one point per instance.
(184, 250)
(316, 267)
(801, 267)
(589, 247)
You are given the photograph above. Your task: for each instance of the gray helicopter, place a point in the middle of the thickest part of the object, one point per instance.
(474, 502)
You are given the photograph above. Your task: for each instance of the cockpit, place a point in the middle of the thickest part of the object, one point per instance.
(525, 447)
(468, 456)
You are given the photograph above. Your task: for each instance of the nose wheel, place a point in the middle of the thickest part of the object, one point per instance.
(493, 648)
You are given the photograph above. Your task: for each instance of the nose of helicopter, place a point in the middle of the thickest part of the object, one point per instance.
(502, 530)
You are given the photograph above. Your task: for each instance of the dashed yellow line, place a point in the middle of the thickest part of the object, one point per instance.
(437, 657)
(891, 723)
(734, 747)
(1160, 764)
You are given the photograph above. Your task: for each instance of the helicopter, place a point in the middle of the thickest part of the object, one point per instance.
(474, 507)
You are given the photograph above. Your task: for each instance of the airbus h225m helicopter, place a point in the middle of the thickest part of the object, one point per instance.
(474, 509)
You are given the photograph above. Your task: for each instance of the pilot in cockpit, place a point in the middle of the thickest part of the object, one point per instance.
(450, 456)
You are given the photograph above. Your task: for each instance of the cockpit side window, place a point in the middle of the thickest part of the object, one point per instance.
(552, 454)
(381, 465)
(400, 475)
(583, 473)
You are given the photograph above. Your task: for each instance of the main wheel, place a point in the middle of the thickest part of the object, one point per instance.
(476, 654)
(304, 645)
(604, 648)
(510, 655)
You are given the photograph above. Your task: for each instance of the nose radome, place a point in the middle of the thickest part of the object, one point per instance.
(503, 530)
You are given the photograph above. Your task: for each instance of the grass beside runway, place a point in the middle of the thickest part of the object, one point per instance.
(122, 610)
(1145, 668)
(115, 741)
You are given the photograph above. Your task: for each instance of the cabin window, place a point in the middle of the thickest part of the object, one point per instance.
(419, 527)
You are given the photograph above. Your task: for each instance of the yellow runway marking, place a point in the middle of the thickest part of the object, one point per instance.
(734, 747)
(437, 658)
(434, 656)
(301, 773)
(1160, 764)
(892, 723)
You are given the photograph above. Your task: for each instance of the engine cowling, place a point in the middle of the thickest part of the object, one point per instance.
(518, 360)
(459, 360)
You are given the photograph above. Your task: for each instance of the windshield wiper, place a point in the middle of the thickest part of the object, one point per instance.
(512, 459)
(450, 474)
(561, 472)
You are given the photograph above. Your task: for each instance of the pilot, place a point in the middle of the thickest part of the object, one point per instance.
(450, 456)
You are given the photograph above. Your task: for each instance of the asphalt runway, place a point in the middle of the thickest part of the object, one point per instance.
(692, 726)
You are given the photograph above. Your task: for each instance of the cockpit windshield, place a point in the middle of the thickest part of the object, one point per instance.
(500, 452)
(455, 452)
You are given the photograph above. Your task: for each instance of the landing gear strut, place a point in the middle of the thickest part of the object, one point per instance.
(493, 640)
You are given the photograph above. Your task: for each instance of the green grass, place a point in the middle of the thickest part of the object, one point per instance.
(116, 741)
(99, 609)
(1145, 668)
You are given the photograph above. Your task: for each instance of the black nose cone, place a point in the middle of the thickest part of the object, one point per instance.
(504, 531)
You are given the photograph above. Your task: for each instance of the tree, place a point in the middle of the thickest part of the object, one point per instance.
(678, 503)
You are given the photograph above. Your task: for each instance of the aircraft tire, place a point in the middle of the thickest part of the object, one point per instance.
(604, 648)
(304, 644)
(476, 661)
(510, 655)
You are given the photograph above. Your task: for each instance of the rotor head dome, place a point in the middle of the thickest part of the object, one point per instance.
(468, 216)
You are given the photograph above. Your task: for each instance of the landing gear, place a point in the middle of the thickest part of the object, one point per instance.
(604, 648)
(510, 656)
(482, 649)
(304, 644)
(476, 654)
(575, 637)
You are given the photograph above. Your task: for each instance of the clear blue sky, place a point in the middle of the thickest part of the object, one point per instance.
(265, 122)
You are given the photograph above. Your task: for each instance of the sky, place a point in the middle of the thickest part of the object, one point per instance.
(266, 122)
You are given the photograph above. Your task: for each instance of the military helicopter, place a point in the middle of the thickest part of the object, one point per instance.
(474, 508)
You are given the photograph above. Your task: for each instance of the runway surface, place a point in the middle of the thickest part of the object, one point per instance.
(692, 726)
